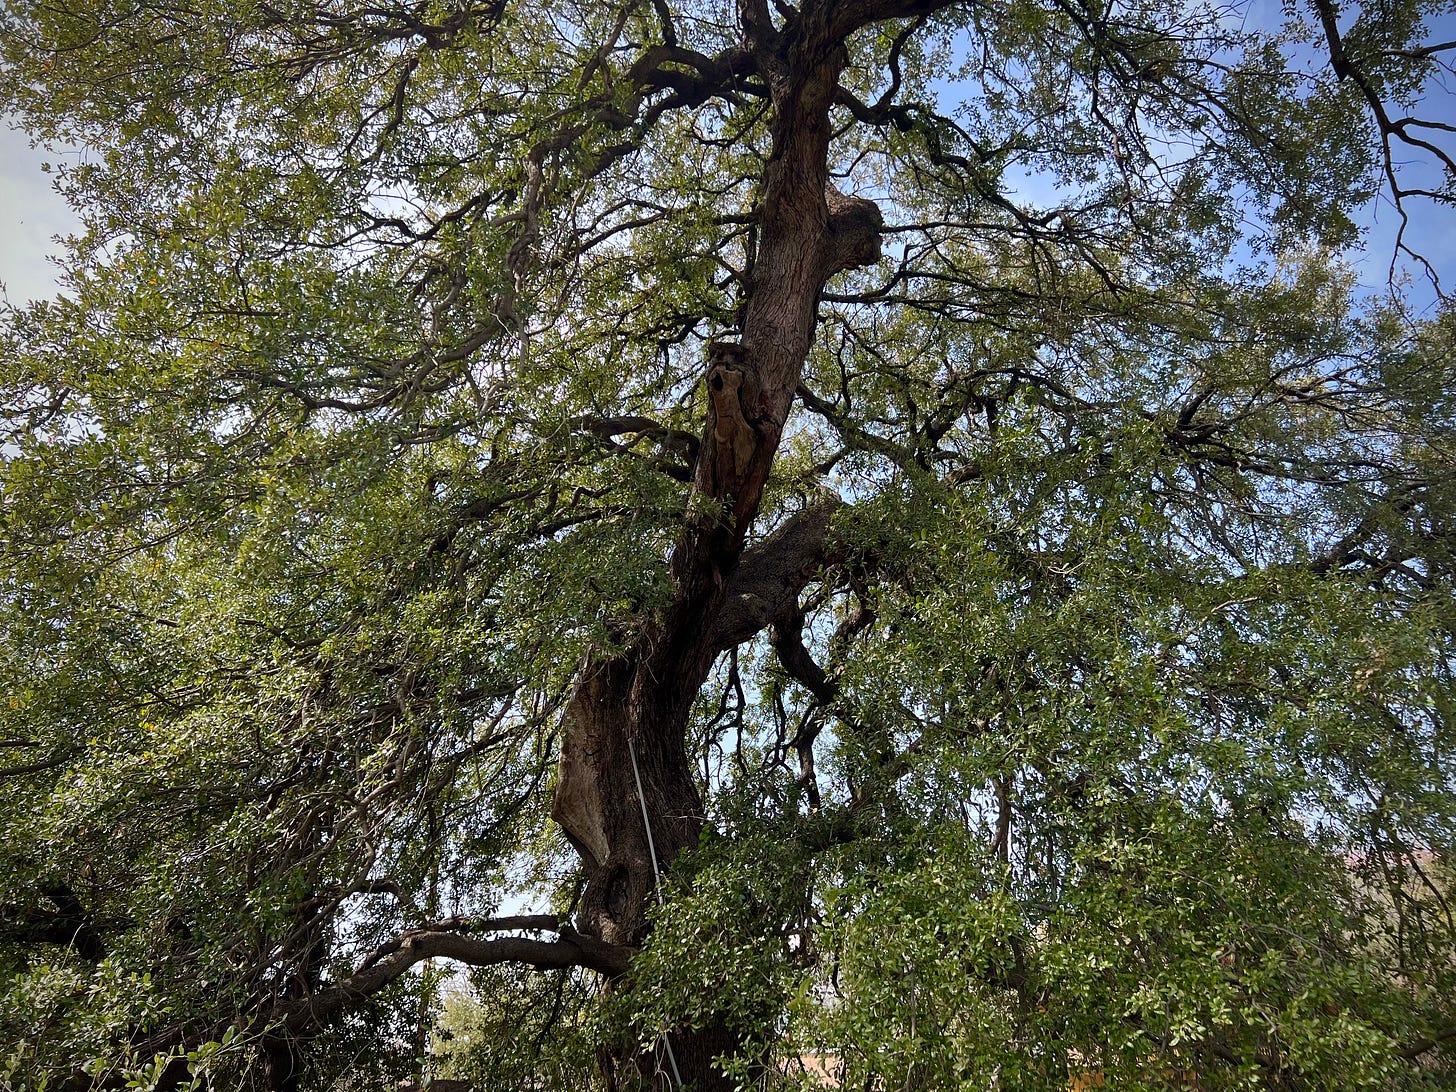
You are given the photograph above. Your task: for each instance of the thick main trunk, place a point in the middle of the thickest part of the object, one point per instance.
(624, 742)
(622, 731)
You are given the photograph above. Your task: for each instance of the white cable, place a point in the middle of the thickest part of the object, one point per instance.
(642, 799)
(656, 886)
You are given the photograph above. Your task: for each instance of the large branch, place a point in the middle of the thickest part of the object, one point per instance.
(772, 573)
(848, 16)
(1414, 1050)
(69, 924)
(722, 76)
(448, 941)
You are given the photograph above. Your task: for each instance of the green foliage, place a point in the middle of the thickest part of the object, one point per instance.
(369, 408)
(505, 1027)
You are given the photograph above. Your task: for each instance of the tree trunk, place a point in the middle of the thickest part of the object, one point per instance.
(635, 701)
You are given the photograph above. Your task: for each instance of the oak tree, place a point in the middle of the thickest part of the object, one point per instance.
(870, 537)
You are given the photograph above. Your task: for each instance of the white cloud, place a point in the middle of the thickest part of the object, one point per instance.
(32, 213)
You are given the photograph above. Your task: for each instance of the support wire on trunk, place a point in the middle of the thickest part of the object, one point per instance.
(656, 886)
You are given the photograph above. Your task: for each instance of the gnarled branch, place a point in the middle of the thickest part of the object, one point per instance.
(766, 585)
(448, 940)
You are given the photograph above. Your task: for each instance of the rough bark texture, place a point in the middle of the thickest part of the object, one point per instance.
(637, 699)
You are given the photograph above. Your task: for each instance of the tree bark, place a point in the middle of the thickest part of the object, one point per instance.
(633, 702)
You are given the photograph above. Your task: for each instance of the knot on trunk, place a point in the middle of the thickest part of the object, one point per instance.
(732, 438)
(855, 227)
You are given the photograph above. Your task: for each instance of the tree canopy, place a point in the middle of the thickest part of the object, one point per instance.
(680, 544)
